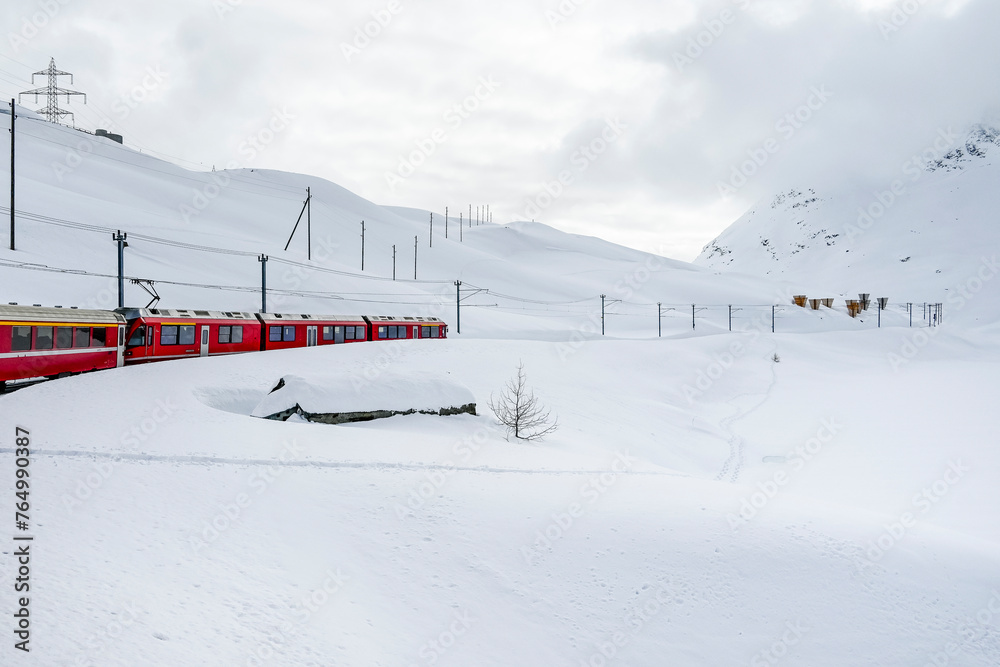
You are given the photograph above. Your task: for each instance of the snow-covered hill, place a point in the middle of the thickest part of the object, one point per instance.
(75, 189)
(930, 233)
(822, 496)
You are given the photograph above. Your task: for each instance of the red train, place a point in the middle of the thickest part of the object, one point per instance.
(51, 342)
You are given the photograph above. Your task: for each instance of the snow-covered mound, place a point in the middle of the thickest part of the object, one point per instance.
(928, 234)
(327, 393)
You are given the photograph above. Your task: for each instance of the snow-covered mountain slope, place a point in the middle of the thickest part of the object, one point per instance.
(929, 234)
(538, 278)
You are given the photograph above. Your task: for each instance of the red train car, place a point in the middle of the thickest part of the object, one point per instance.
(160, 334)
(282, 330)
(49, 342)
(396, 328)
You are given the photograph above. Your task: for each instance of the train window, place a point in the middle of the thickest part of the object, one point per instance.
(225, 334)
(99, 337)
(168, 334)
(64, 338)
(138, 338)
(238, 333)
(288, 334)
(43, 338)
(348, 333)
(392, 332)
(327, 333)
(187, 334)
(81, 337)
(381, 332)
(274, 333)
(21, 339)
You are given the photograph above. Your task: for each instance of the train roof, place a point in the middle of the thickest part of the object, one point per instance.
(375, 319)
(173, 313)
(296, 317)
(56, 315)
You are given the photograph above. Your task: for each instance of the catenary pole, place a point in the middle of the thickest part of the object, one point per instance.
(13, 116)
(263, 282)
(120, 238)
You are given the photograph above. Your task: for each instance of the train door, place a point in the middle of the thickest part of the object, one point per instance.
(121, 346)
(204, 339)
(311, 336)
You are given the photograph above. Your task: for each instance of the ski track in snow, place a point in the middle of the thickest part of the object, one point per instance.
(347, 465)
(737, 443)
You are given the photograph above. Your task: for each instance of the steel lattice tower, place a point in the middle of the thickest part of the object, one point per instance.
(52, 112)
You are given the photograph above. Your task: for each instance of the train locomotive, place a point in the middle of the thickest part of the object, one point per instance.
(37, 342)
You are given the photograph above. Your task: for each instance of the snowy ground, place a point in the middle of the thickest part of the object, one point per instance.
(176, 529)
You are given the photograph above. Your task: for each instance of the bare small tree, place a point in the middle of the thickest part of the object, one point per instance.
(517, 409)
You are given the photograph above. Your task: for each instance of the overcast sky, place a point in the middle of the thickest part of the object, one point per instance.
(631, 120)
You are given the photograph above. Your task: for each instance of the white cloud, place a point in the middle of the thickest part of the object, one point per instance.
(656, 185)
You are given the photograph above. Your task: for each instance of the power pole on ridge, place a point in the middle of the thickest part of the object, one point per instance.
(52, 112)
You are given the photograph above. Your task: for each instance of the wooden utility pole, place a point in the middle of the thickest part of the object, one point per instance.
(363, 245)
